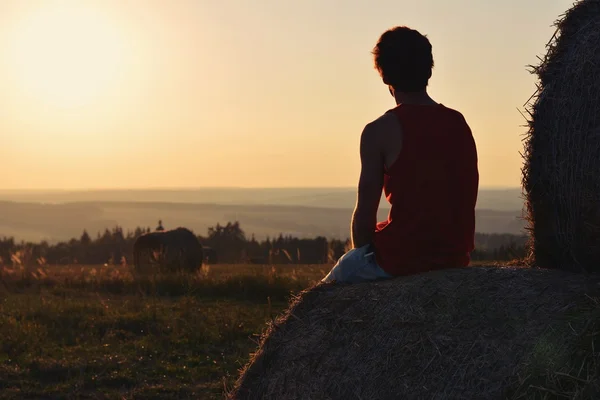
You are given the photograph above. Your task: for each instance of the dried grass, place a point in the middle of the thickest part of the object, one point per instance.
(561, 173)
(474, 333)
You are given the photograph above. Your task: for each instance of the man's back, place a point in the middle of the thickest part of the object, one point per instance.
(431, 181)
(423, 156)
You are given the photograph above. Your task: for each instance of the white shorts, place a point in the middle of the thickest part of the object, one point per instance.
(357, 265)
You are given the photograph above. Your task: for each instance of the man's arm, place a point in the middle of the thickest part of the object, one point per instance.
(370, 185)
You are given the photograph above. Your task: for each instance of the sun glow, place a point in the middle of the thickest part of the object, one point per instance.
(66, 55)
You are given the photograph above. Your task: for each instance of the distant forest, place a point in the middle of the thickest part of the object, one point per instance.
(227, 244)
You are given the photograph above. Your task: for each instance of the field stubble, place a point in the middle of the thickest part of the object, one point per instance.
(96, 332)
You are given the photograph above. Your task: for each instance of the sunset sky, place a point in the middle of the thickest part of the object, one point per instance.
(266, 93)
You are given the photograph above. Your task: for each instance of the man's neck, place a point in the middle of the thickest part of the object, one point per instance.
(413, 98)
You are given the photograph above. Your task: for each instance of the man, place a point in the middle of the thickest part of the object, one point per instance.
(423, 156)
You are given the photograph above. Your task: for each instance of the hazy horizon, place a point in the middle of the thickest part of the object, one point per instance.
(188, 188)
(509, 199)
(206, 93)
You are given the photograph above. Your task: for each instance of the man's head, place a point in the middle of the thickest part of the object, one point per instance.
(404, 60)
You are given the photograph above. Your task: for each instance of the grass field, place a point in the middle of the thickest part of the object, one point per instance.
(97, 333)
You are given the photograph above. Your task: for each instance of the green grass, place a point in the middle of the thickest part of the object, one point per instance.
(97, 333)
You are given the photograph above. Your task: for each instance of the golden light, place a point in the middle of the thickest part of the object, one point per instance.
(66, 54)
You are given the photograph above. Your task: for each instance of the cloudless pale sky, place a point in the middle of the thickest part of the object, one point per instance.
(266, 93)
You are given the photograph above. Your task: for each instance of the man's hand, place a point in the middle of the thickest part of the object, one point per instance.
(370, 185)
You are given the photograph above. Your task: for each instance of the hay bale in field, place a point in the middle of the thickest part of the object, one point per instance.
(561, 174)
(178, 250)
(474, 333)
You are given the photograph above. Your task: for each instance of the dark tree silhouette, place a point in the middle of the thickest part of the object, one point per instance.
(228, 244)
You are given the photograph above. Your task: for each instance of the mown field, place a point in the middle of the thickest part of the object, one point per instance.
(96, 333)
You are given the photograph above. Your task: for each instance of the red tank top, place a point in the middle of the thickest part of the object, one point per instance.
(432, 188)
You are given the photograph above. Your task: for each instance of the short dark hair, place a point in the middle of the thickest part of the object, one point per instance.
(404, 59)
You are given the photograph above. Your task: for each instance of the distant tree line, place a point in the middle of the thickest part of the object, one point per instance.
(226, 244)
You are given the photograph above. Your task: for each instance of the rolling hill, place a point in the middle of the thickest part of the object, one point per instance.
(55, 220)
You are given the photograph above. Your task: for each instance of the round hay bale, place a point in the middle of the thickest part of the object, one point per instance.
(561, 173)
(474, 333)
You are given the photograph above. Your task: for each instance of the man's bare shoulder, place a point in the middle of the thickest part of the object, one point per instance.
(382, 125)
(383, 122)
